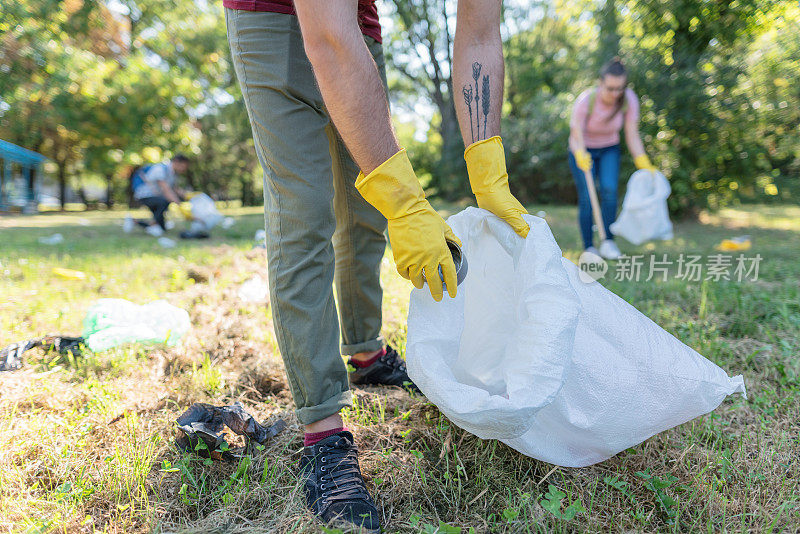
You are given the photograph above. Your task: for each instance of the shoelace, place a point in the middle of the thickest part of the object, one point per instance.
(341, 478)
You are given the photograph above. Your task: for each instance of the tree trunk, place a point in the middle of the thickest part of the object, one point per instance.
(32, 183)
(109, 191)
(62, 183)
(248, 195)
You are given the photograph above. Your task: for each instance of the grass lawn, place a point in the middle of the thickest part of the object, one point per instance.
(88, 444)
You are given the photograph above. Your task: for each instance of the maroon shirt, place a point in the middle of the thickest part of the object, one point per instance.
(367, 12)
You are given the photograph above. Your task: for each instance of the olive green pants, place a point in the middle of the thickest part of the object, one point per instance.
(319, 228)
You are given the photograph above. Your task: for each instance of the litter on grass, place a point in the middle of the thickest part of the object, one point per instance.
(203, 209)
(109, 323)
(255, 289)
(197, 230)
(54, 239)
(735, 244)
(227, 222)
(69, 274)
(113, 322)
(11, 356)
(202, 427)
(203, 215)
(166, 242)
(260, 239)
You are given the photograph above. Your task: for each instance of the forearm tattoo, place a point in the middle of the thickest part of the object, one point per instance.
(482, 100)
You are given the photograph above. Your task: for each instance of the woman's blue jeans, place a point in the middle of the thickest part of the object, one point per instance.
(605, 170)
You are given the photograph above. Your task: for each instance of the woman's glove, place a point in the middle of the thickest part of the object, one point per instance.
(416, 232)
(643, 162)
(584, 160)
(486, 167)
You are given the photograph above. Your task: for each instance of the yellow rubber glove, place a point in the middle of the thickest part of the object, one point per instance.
(643, 162)
(416, 232)
(186, 210)
(584, 160)
(486, 167)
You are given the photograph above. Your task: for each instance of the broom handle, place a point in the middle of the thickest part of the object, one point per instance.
(598, 216)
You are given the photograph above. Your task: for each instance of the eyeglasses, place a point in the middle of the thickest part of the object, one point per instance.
(614, 89)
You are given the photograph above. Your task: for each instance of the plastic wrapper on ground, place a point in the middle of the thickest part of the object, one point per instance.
(11, 357)
(113, 322)
(204, 423)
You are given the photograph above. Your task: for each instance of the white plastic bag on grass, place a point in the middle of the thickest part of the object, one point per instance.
(560, 369)
(256, 289)
(644, 215)
(205, 211)
(112, 322)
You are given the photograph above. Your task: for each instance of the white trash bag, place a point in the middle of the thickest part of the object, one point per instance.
(644, 214)
(204, 211)
(560, 369)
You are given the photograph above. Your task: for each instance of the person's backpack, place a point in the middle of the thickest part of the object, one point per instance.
(135, 180)
(137, 176)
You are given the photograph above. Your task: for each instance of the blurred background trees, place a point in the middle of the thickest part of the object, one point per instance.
(100, 86)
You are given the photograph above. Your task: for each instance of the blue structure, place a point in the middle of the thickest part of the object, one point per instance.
(18, 163)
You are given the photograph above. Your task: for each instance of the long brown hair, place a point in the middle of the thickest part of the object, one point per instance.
(615, 67)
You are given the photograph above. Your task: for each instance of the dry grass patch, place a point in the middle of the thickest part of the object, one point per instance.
(88, 445)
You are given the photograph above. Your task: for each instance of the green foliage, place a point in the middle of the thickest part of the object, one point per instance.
(225, 162)
(659, 486)
(441, 528)
(543, 65)
(621, 486)
(98, 87)
(418, 50)
(686, 58)
(716, 80)
(552, 502)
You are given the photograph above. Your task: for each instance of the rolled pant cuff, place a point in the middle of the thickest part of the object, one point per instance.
(365, 346)
(331, 406)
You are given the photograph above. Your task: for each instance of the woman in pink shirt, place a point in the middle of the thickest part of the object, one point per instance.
(597, 117)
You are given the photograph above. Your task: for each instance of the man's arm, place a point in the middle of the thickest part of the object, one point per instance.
(158, 174)
(478, 72)
(478, 69)
(348, 79)
(181, 192)
(167, 191)
(356, 101)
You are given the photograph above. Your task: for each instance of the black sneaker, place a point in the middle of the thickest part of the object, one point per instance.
(388, 370)
(335, 490)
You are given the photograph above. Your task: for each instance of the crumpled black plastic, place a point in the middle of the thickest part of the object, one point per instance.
(11, 356)
(204, 422)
